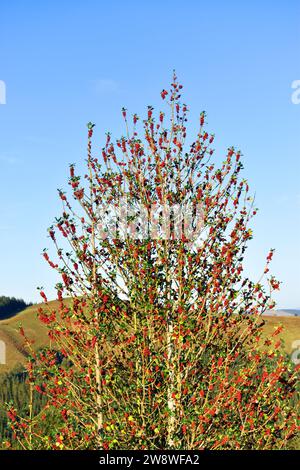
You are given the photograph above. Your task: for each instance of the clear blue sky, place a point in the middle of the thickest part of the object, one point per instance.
(69, 62)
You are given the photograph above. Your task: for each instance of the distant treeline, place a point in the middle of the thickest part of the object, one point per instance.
(9, 306)
(14, 388)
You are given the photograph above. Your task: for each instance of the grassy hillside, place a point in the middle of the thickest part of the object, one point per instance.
(291, 329)
(35, 330)
(9, 333)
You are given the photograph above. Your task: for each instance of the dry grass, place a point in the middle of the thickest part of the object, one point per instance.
(291, 329)
(10, 334)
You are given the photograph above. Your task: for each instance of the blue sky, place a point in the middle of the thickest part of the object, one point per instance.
(67, 62)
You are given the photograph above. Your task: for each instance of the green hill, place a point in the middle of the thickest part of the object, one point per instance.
(10, 334)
